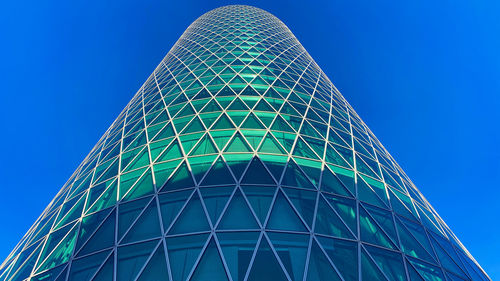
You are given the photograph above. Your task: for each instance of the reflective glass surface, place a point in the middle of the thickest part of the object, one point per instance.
(239, 160)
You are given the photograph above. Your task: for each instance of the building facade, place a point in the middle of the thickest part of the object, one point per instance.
(239, 160)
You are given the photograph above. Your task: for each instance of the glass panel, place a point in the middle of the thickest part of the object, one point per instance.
(283, 217)
(265, 265)
(292, 251)
(183, 251)
(238, 215)
(156, 267)
(210, 266)
(85, 268)
(132, 258)
(191, 219)
(319, 266)
(238, 248)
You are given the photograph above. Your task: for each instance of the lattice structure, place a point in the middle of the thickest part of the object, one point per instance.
(239, 160)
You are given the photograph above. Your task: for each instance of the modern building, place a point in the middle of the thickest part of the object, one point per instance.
(238, 160)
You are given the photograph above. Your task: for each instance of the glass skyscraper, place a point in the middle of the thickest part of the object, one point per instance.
(238, 160)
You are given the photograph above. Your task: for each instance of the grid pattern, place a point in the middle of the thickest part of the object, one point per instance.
(239, 160)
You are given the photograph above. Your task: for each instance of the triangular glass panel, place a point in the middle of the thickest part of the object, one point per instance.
(249, 91)
(86, 267)
(344, 254)
(205, 146)
(106, 272)
(238, 144)
(283, 217)
(100, 198)
(295, 177)
(221, 138)
(452, 277)
(192, 218)
(346, 176)
(328, 222)
(128, 213)
(287, 140)
(384, 219)
(156, 267)
(371, 232)
(171, 204)
(320, 269)
(212, 106)
(219, 174)
(88, 225)
(238, 105)
(181, 122)
(427, 271)
(147, 225)
(252, 122)
(363, 167)
(56, 273)
(410, 245)
(237, 248)
(128, 180)
(253, 137)
(262, 105)
(166, 132)
(401, 204)
(103, 238)
(292, 251)
(132, 258)
(223, 123)
(445, 259)
(281, 125)
(330, 183)
(195, 126)
(200, 165)
(275, 164)
(22, 268)
(265, 265)
(266, 117)
(311, 168)
(70, 211)
(209, 118)
(369, 270)
(368, 195)
(302, 149)
(260, 198)
(346, 208)
(256, 173)
(61, 252)
(304, 202)
(412, 272)
(226, 91)
(215, 199)
(142, 187)
(210, 266)
(333, 156)
(271, 145)
(162, 171)
(390, 262)
(238, 214)
(158, 147)
(419, 233)
(180, 179)
(238, 163)
(183, 251)
(141, 160)
(308, 130)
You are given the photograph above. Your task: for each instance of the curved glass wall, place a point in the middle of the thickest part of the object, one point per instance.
(238, 160)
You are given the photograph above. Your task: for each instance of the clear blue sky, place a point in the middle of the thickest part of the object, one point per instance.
(424, 75)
